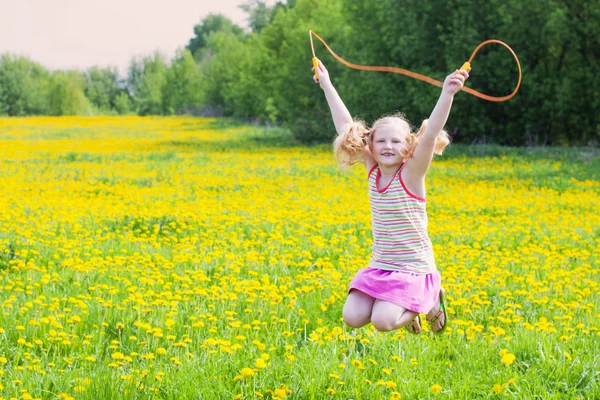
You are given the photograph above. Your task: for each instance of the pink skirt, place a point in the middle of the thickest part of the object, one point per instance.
(413, 292)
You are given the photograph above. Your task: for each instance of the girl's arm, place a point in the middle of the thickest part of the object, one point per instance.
(339, 112)
(423, 154)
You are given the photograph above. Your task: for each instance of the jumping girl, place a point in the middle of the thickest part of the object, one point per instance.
(402, 279)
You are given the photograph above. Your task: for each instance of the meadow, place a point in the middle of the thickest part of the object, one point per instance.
(181, 258)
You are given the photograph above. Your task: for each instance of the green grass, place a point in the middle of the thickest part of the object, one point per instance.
(255, 236)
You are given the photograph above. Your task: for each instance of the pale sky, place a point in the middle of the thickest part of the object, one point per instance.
(62, 34)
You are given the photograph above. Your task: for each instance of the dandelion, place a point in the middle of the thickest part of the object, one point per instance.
(247, 372)
(508, 359)
(436, 388)
(282, 392)
(227, 258)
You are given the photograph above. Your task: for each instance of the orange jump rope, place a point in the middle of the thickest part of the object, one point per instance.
(424, 78)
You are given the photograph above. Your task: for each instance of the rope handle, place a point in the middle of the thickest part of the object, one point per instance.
(421, 77)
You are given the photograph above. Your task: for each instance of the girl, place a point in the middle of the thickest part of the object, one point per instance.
(401, 280)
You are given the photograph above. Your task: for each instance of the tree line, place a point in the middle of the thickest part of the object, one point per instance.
(263, 73)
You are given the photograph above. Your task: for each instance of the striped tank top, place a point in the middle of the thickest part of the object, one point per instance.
(399, 223)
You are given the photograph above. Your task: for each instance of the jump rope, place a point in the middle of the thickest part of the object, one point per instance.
(415, 75)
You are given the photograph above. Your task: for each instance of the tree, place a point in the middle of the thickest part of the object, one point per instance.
(123, 103)
(23, 86)
(66, 94)
(212, 24)
(3, 103)
(298, 101)
(185, 84)
(259, 14)
(147, 81)
(556, 42)
(102, 87)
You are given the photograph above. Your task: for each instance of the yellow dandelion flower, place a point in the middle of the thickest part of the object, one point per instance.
(436, 388)
(508, 359)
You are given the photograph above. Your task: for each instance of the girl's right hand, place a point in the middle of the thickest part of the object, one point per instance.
(323, 80)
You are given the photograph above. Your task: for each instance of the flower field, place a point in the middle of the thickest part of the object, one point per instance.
(189, 258)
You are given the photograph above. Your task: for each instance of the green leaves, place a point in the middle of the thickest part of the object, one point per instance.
(66, 96)
(23, 86)
(265, 75)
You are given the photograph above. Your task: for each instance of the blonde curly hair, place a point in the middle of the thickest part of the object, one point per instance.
(349, 145)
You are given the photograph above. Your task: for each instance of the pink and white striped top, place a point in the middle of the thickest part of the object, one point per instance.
(399, 223)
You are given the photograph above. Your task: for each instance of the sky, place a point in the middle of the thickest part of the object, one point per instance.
(65, 34)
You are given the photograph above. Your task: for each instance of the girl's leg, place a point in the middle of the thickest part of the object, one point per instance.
(387, 316)
(357, 310)
(440, 321)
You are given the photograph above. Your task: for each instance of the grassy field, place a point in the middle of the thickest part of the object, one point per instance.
(192, 258)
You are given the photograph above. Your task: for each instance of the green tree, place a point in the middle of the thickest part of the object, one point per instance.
(259, 14)
(3, 103)
(298, 101)
(210, 25)
(184, 92)
(102, 87)
(147, 82)
(238, 76)
(554, 40)
(24, 86)
(123, 103)
(66, 94)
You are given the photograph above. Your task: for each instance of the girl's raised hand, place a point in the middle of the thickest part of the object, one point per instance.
(455, 81)
(323, 76)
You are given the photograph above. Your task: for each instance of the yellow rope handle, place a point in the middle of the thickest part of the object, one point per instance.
(415, 75)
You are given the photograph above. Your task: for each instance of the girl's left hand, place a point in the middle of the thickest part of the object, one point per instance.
(455, 81)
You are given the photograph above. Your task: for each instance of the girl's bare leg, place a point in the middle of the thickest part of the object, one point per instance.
(387, 316)
(357, 310)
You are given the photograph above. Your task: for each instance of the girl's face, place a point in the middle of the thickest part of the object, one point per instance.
(388, 147)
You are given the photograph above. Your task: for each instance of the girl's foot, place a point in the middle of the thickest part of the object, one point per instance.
(437, 315)
(414, 326)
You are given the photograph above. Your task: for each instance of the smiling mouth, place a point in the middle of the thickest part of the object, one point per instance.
(387, 154)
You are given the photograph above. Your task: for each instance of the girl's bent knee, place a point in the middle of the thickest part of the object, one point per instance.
(383, 325)
(354, 321)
